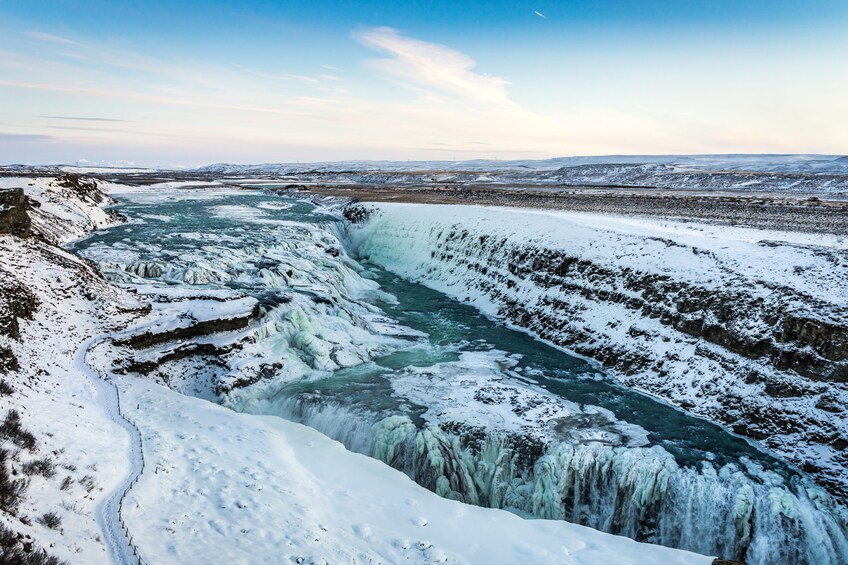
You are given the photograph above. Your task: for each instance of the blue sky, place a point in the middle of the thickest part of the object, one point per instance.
(189, 82)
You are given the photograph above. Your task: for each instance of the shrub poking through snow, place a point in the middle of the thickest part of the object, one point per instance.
(8, 361)
(5, 388)
(50, 520)
(12, 430)
(16, 550)
(43, 467)
(87, 483)
(11, 490)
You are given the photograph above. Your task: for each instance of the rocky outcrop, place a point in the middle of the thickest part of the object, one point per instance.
(68, 207)
(769, 329)
(16, 302)
(356, 213)
(84, 189)
(14, 219)
(147, 366)
(197, 328)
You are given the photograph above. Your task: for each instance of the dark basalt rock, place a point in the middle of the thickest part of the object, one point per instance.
(14, 219)
(356, 213)
(85, 189)
(788, 340)
(182, 352)
(265, 371)
(149, 339)
(16, 301)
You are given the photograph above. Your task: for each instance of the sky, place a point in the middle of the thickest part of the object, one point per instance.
(190, 83)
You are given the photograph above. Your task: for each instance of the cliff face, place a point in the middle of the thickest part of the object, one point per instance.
(748, 332)
(14, 219)
(15, 300)
(57, 209)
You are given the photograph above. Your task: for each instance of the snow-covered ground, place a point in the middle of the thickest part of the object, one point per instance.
(58, 402)
(814, 174)
(216, 486)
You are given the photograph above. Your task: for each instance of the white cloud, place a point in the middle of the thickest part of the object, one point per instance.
(50, 38)
(434, 66)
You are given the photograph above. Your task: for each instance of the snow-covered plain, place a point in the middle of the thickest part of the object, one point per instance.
(741, 162)
(815, 174)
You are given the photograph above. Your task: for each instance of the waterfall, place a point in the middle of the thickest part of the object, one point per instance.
(738, 511)
(464, 424)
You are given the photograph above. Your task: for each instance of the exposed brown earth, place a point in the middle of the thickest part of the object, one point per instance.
(755, 210)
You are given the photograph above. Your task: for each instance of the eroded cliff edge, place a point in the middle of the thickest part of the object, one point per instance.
(748, 328)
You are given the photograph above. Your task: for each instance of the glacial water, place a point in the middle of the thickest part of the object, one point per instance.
(464, 405)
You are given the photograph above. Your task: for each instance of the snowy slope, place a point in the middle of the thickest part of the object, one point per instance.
(58, 404)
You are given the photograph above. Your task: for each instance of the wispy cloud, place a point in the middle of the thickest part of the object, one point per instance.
(86, 128)
(188, 101)
(305, 79)
(23, 137)
(83, 118)
(433, 66)
(50, 38)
